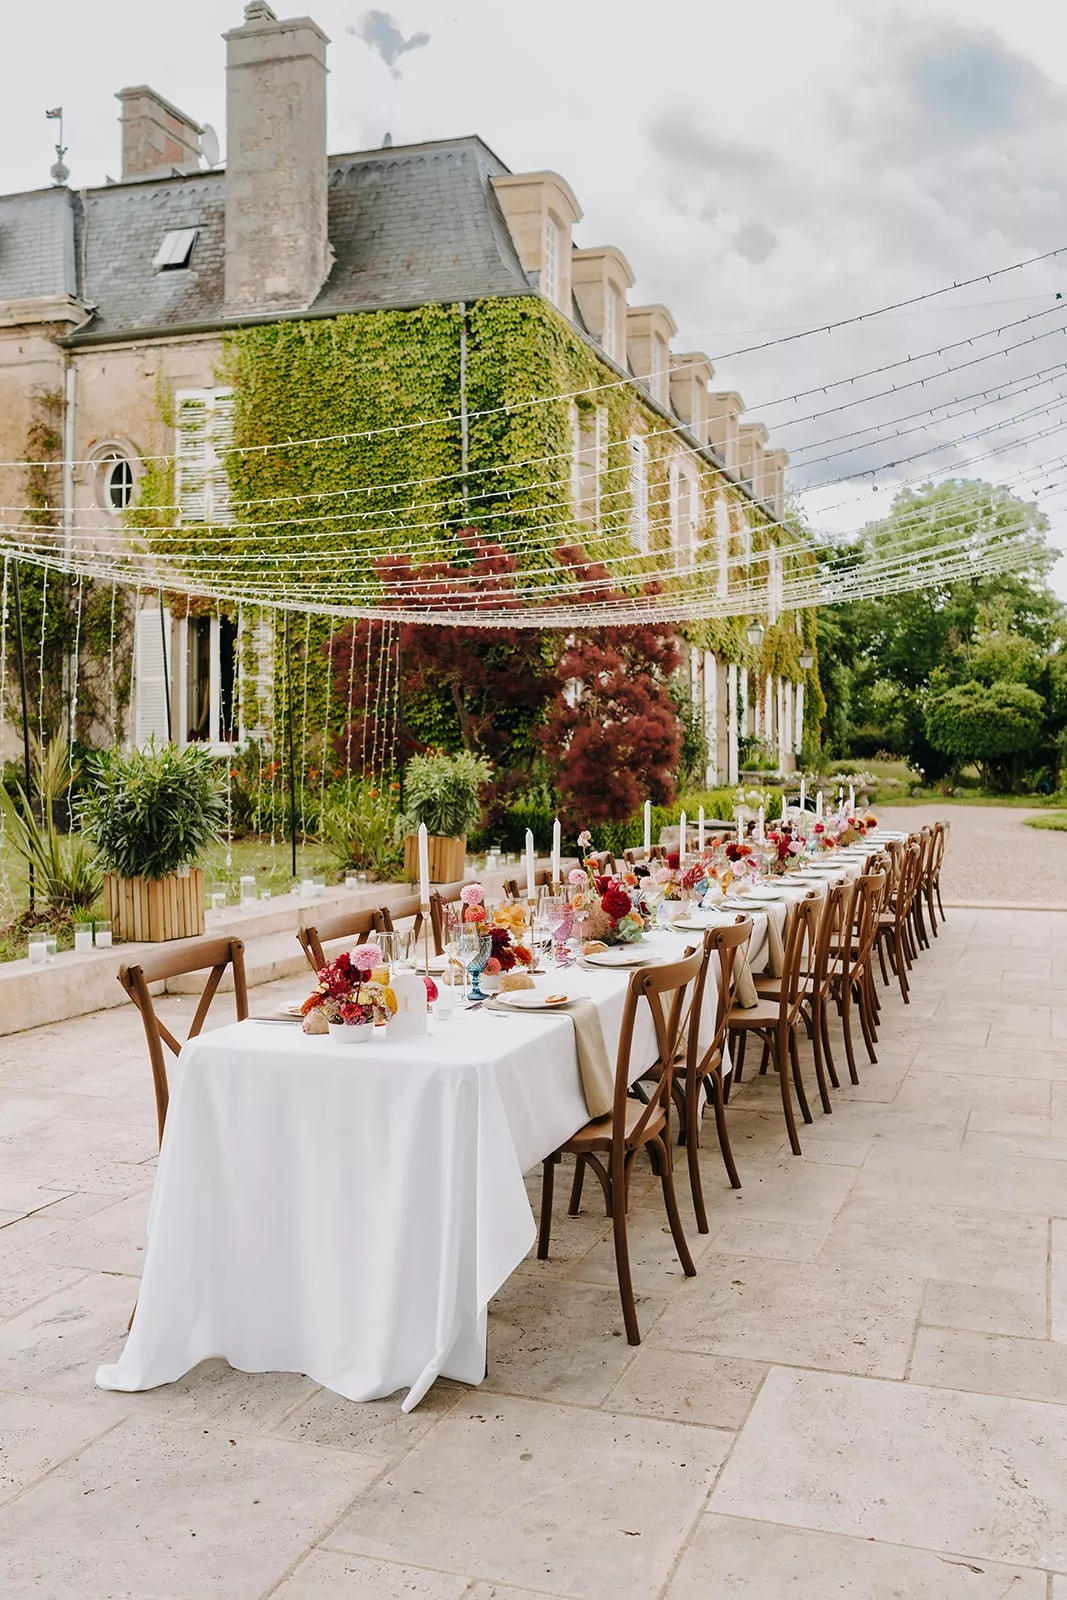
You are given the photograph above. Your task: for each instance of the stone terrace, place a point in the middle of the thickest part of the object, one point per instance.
(863, 1392)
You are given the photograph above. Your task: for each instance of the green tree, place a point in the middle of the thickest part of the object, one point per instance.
(995, 725)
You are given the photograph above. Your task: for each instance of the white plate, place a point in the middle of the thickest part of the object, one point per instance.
(619, 956)
(528, 1000)
(289, 1008)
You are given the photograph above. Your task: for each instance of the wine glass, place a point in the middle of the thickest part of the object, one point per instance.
(475, 948)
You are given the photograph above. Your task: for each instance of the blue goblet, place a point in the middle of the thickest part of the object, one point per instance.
(474, 951)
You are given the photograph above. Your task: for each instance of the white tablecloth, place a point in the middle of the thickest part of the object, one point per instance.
(348, 1211)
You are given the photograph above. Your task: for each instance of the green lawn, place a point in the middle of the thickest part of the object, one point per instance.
(1056, 820)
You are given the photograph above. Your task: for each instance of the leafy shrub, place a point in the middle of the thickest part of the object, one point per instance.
(153, 812)
(66, 872)
(358, 827)
(444, 792)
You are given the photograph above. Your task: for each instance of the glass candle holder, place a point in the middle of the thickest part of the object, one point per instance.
(52, 946)
(217, 896)
(248, 889)
(351, 881)
(264, 894)
(83, 937)
(37, 951)
(102, 935)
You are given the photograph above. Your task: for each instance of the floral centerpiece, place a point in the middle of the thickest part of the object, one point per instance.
(353, 989)
(505, 926)
(605, 906)
(784, 848)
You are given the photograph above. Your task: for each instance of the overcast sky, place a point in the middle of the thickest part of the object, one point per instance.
(765, 169)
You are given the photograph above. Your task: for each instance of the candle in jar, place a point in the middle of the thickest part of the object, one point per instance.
(557, 851)
(681, 838)
(648, 828)
(529, 864)
(83, 939)
(424, 865)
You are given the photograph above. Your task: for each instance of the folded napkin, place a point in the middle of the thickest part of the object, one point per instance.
(597, 1072)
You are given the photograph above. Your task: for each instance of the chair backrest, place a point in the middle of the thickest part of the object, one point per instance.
(212, 956)
(725, 945)
(871, 893)
(937, 852)
(358, 925)
(664, 988)
(446, 894)
(515, 891)
(800, 938)
(910, 873)
(399, 911)
(655, 852)
(834, 921)
(602, 861)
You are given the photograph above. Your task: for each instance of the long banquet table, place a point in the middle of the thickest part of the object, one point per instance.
(349, 1211)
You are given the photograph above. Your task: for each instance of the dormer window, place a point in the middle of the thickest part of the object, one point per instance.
(175, 250)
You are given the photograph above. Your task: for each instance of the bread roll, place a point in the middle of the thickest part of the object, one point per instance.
(516, 980)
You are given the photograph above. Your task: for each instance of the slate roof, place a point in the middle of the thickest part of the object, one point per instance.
(410, 225)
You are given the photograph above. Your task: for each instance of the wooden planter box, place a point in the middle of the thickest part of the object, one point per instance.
(448, 858)
(156, 909)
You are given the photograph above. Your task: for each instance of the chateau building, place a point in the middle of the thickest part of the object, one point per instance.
(120, 306)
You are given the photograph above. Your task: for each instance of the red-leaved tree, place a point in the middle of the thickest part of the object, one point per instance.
(489, 683)
(611, 738)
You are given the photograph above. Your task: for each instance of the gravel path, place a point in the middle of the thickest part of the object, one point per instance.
(991, 858)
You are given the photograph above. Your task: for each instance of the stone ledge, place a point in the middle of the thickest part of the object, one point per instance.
(32, 996)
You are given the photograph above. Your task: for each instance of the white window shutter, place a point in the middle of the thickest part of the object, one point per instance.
(722, 540)
(639, 492)
(191, 450)
(150, 681)
(222, 420)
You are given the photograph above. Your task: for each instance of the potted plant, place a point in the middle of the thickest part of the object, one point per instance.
(442, 791)
(151, 814)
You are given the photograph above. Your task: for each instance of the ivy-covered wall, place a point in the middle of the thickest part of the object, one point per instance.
(356, 384)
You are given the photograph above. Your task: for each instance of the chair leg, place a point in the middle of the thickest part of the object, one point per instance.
(622, 1268)
(930, 908)
(846, 1030)
(901, 979)
(824, 1023)
(940, 907)
(868, 1036)
(787, 1101)
(881, 959)
(576, 1187)
(798, 1081)
(816, 1050)
(544, 1232)
(670, 1200)
(692, 1154)
(723, 1132)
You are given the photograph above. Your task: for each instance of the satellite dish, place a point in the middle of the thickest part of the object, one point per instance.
(209, 145)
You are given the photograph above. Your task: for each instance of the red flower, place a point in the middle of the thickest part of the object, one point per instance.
(431, 989)
(615, 903)
(673, 860)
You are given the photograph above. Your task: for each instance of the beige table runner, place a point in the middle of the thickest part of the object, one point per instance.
(597, 1072)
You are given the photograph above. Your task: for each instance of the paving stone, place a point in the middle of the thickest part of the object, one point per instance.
(965, 1474)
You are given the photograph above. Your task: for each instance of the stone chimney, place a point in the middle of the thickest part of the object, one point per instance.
(156, 136)
(277, 253)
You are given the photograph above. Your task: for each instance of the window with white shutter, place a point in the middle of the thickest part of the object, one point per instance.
(639, 493)
(722, 544)
(150, 675)
(203, 426)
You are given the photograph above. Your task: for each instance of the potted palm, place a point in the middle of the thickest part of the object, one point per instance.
(444, 792)
(151, 814)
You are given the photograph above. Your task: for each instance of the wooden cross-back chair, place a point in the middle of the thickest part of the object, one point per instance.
(212, 956)
(656, 852)
(932, 886)
(516, 891)
(893, 932)
(446, 894)
(818, 981)
(703, 1067)
(775, 1019)
(399, 911)
(602, 862)
(611, 1143)
(358, 925)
